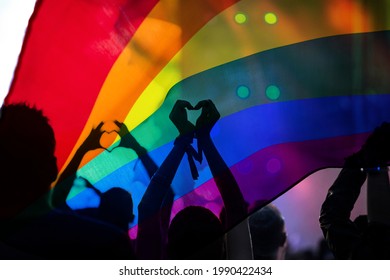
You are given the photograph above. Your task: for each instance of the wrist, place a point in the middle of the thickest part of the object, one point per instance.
(183, 140)
(202, 135)
(204, 139)
(83, 149)
(140, 151)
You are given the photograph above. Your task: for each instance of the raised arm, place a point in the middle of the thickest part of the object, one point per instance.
(343, 237)
(238, 238)
(65, 181)
(339, 231)
(234, 202)
(149, 237)
(128, 141)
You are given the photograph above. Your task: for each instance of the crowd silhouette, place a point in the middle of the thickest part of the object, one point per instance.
(54, 230)
(37, 222)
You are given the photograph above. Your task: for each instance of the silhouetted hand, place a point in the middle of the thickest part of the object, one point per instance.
(92, 142)
(179, 117)
(208, 117)
(127, 140)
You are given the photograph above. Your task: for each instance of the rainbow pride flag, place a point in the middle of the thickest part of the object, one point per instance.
(299, 85)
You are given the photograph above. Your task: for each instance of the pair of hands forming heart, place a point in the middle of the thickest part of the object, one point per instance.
(205, 122)
(208, 117)
(103, 135)
(179, 116)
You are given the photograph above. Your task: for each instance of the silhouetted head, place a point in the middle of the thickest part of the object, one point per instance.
(116, 207)
(195, 233)
(27, 162)
(268, 233)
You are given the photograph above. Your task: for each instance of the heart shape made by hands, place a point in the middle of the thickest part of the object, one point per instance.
(109, 140)
(193, 115)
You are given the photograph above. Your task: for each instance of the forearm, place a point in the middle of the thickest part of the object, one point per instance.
(129, 141)
(342, 195)
(149, 240)
(65, 181)
(232, 197)
(160, 182)
(339, 231)
(149, 164)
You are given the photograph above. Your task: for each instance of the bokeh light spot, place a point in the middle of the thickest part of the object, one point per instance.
(243, 92)
(270, 18)
(272, 92)
(240, 18)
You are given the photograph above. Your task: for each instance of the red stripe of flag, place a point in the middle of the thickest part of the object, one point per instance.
(70, 47)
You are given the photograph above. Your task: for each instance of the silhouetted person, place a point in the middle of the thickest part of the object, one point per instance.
(115, 207)
(116, 204)
(268, 233)
(205, 225)
(196, 233)
(368, 237)
(29, 225)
